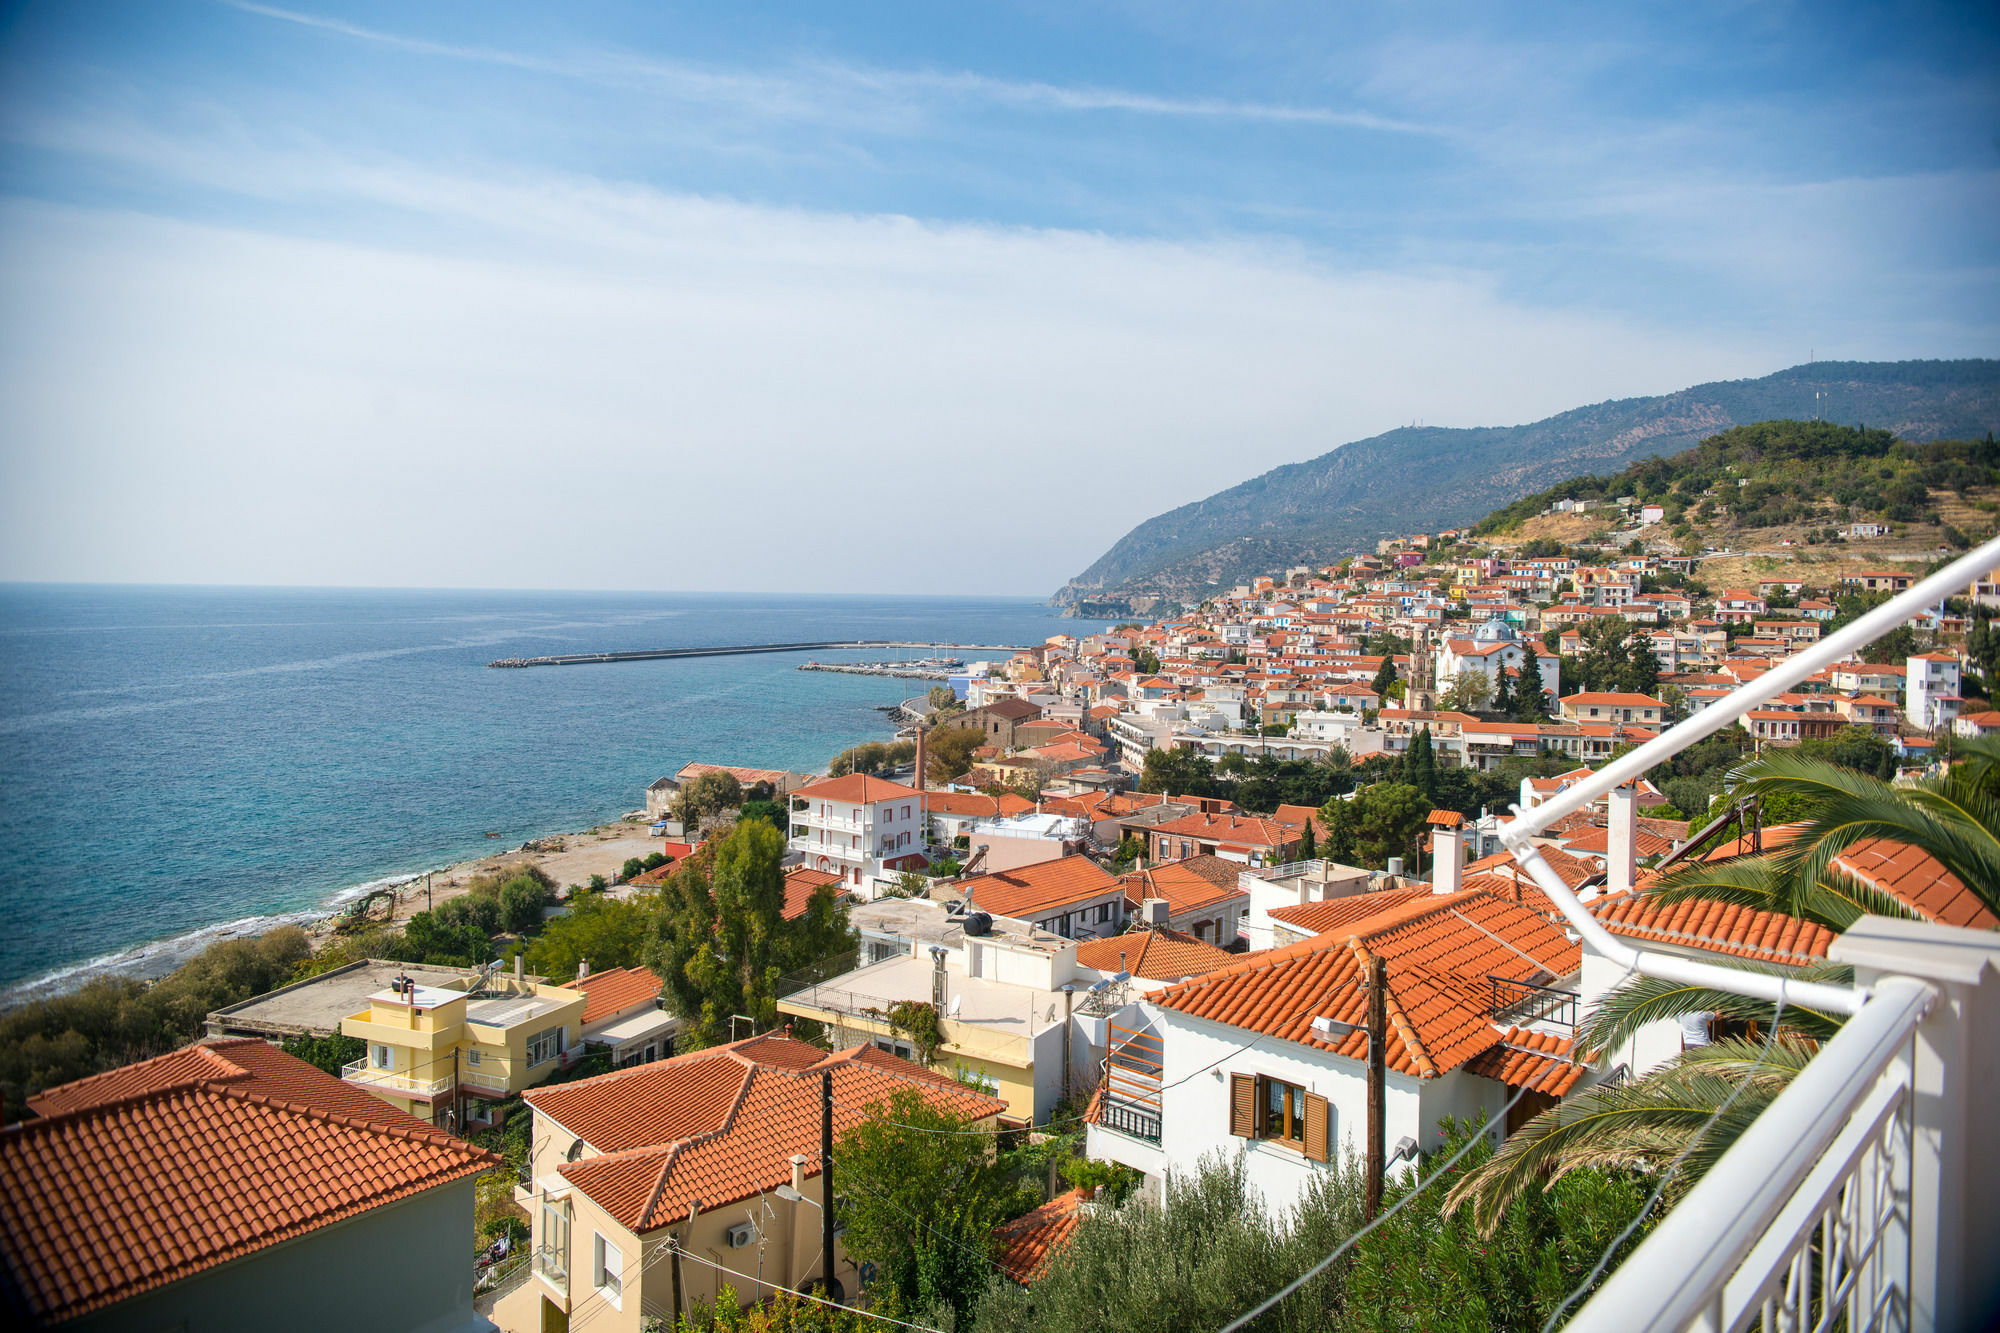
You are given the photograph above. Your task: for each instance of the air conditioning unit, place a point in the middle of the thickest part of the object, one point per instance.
(743, 1233)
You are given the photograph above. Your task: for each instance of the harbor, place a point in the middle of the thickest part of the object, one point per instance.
(736, 650)
(925, 668)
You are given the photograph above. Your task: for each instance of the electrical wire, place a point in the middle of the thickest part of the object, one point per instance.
(808, 1296)
(1667, 1175)
(1243, 1320)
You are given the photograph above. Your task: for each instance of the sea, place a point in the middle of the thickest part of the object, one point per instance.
(177, 763)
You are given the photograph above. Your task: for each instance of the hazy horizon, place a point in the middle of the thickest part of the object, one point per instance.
(508, 297)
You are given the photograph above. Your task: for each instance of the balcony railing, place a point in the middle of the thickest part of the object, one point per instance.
(1864, 1195)
(389, 1080)
(1523, 1002)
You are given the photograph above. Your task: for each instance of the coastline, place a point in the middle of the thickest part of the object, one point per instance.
(598, 850)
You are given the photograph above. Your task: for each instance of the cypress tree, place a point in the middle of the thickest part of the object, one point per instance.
(1528, 706)
(1420, 764)
(1501, 703)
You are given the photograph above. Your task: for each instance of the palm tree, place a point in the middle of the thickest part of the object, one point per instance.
(1955, 818)
(1686, 1114)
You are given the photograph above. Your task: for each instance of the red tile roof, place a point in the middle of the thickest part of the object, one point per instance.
(1438, 952)
(1029, 891)
(1917, 878)
(1445, 818)
(1334, 914)
(801, 884)
(1597, 842)
(615, 990)
(155, 1176)
(1156, 955)
(1188, 885)
(1741, 932)
(1232, 830)
(1540, 1060)
(720, 1125)
(1032, 1239)
(856, 789)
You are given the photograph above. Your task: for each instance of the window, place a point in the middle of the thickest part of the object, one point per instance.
(1103, 912)
(545, 1046)
(607, 1263)
(1284, 1112)
(906, 812)
(472, 1056)
(382, 1057)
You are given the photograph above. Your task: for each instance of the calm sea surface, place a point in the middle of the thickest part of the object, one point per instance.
(178, 760)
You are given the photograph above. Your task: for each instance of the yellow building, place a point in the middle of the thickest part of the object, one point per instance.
(653, 1188)
(432, 1049)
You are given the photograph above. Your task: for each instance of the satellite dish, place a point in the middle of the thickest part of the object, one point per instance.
(957, 1001)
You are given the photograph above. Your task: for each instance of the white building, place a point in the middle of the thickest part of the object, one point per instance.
(1269, 1059)
(1931, 699)
(861, 828)
(1493, 645)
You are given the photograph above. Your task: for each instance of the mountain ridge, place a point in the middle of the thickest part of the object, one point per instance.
(1424, 478)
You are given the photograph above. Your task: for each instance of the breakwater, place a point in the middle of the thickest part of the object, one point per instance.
(736, 650)
(900, 670)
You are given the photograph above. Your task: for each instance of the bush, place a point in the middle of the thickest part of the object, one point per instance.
(654, 860)
(632, 868)
(521, 902)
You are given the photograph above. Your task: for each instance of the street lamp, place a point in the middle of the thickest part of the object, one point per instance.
(790, 1195)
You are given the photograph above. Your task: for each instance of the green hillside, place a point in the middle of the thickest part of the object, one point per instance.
(1778, 474)
(1421, 479)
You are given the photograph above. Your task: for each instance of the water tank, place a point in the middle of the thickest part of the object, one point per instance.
(978, 923)
(1395, 865)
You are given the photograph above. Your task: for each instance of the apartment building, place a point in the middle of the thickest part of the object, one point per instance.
(861, 829)
(436, 1052)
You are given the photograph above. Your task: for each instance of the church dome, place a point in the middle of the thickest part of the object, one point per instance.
(1495, 630)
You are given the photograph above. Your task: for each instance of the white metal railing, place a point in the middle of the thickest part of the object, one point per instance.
(1806, 1223)
(360, 1071)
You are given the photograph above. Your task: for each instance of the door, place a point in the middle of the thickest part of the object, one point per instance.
(555, 1319)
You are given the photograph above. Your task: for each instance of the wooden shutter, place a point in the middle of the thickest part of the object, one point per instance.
(1243, 1106)
(1319, 1124)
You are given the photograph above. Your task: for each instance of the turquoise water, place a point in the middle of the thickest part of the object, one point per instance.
(174, 760)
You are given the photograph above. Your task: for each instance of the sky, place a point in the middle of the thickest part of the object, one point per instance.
(905, 297)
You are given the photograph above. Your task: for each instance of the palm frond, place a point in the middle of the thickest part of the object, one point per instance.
(1642, 1000)
(1646, 1123)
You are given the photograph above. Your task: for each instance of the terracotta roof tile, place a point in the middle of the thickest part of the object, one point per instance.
(615, 990)
(801, 884)
(1540, 1060)
(721, 1125)
(1916, 878)
(1032, 1239)
(1740, 932)
(125, 1194)
(857, 789)
(1156, 955)
(1331, 914)
(1028, 891)
(1187, 885)
(1439, 953)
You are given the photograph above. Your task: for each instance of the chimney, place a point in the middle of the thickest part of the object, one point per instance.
(1622, 861)
(520, 971)
(1447, 861)
(920, 757)
(583, 969)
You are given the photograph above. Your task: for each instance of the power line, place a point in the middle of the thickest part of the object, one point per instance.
(1668, 1174)
(808, 1296)
(1348, 1244)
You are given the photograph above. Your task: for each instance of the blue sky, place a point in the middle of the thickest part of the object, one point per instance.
(309, 294)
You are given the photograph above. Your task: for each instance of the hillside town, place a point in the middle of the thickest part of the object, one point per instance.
(1228, 887)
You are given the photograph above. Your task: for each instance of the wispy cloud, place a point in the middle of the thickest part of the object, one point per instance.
(811, 84)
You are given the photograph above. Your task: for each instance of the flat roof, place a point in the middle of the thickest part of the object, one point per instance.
(1003, 1006)
(633, 1026)
(316, 1005)
(419, 996)
(508, 1010)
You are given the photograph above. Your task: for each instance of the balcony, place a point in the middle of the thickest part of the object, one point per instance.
(389, 1080)
(1866, 1194)
(553, 1266)
(1523, 1004)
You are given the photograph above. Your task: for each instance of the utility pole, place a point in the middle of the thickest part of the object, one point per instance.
(826, 1176)
(675, 1241)
(1378, 1028)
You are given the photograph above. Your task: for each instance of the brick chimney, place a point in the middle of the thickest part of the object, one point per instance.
(920, 757)
(1622, 839)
